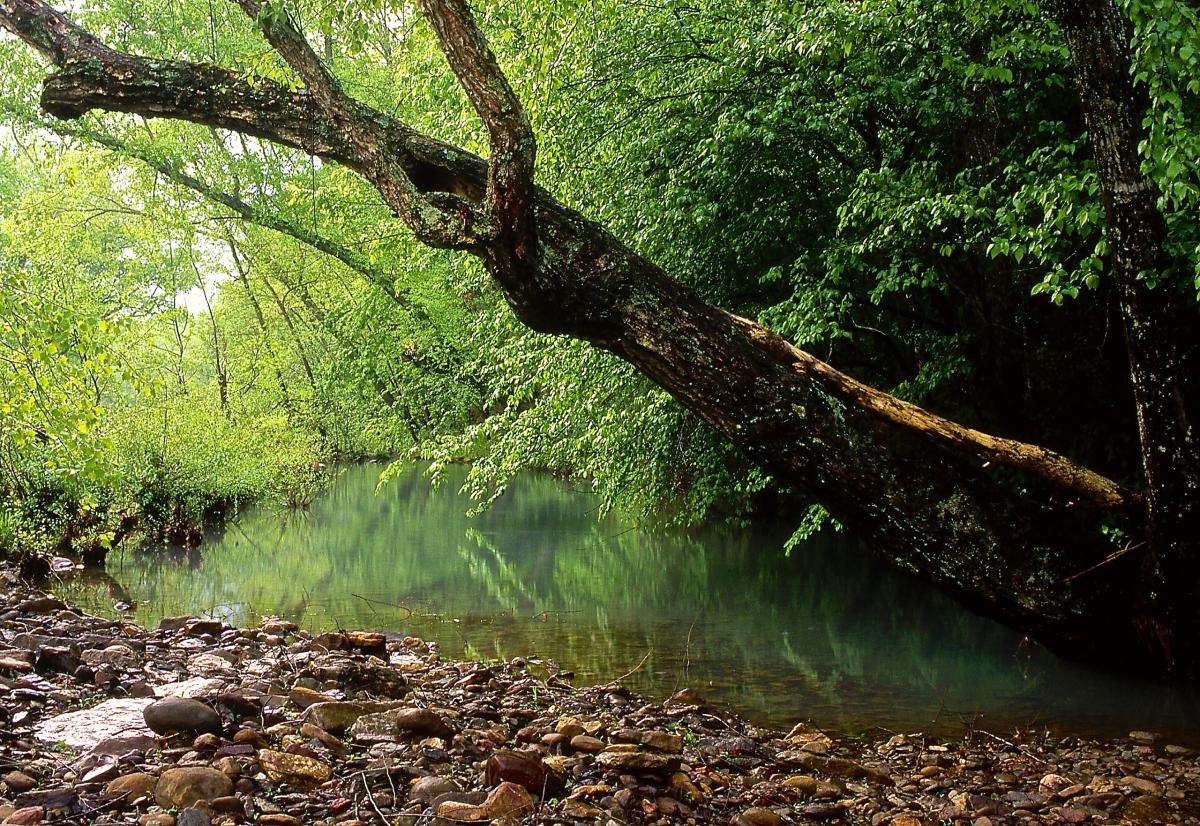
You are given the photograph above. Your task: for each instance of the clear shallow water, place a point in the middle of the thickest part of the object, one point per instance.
(827, 635)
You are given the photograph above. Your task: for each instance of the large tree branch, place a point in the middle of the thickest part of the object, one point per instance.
(595, 306)
(435, 221)
(513, 148)
(94, 76)
(409, 169)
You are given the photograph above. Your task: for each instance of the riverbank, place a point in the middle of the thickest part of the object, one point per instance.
(196, 723)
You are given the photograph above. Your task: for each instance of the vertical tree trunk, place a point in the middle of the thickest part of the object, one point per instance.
(1160, 323)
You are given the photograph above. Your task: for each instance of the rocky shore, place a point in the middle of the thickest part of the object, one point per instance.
(196, 723)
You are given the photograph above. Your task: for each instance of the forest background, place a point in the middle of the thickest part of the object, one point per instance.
(191, 320)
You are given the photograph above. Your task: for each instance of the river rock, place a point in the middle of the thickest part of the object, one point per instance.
(662, 741)
(81, 730)
(136, 745)
(587, 744)
(184, 786)
(634, 760)
(1147, 809)
(118, 655)
(336, 717)
(506, 800)
(525, 769)
(54, 659)
(41, 605)
(759, 816)
(293, 769)
(18, 781)
(181, 714)
(193, 817)
(28, 816)
(193, 687)
(368, 642)
(405, 722)
(305, 697)
(426, 789)
(131, 787)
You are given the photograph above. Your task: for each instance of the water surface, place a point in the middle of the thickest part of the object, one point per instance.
(827, 634)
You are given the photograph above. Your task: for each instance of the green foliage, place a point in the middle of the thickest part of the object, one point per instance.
(902, 187)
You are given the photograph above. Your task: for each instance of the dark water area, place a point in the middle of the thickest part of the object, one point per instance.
(826, 634)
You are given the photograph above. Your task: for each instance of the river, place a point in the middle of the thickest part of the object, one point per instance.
(826, 634)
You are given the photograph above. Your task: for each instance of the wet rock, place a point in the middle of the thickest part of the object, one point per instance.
(13, 664)
(172, 715)
(804, 784)
(569, 727)
(686, 696)
(367, 642)
(506, 800)
(663, 741)
(131, 787)
(293, 769)
(579, 810)
(41, 605)
(184, 786)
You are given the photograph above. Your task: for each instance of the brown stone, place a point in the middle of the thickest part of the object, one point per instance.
(589, 745)
(637, 761)
(131, 787)
(183, 786)
(26, 817)
(523, 768)
(293, 769)
(506, 800)
(336, 717)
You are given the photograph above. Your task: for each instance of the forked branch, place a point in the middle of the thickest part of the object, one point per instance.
(513, 148)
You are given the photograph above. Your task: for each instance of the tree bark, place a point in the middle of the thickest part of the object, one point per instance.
(1018, 542)
(1160, 325)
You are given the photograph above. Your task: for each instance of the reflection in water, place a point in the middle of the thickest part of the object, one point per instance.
(827, 634)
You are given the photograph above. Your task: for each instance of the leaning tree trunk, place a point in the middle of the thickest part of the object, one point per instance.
(1162, 326)
(1009, 527)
